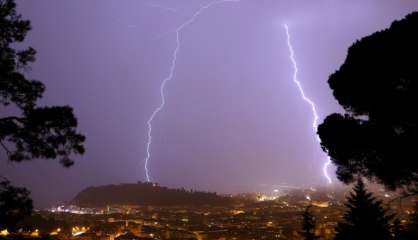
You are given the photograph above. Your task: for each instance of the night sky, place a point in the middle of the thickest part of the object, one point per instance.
(234, 121)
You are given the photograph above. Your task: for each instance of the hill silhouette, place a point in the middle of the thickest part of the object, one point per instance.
(146, 194)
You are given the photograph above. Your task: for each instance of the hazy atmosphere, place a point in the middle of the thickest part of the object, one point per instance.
(234, 121)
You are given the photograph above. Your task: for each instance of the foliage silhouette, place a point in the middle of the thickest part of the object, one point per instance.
(365, 217)
(37, 132)
(308, 225)
(377, 87)
(15, 204)
(33, 131)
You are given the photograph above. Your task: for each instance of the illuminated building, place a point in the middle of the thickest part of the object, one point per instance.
(4, 232)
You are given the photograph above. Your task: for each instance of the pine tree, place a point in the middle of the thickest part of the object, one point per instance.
(365, 217)
(308, 225)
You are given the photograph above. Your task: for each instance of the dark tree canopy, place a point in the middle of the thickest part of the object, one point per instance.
(365, 217)
(36, 131)
(15, 204)
(377, 87)
(33, 131)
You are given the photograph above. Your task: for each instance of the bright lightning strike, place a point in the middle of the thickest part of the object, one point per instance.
(305, 98)
(171, 75)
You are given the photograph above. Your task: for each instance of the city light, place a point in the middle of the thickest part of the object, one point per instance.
(4, 232)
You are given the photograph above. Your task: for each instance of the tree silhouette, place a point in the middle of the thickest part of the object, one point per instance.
(377, 87)
(365, 217)
(15, 204)
(34, 131)
(37, 132)
(308, 225)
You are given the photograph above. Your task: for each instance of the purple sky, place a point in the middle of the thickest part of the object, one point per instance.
(234, 120)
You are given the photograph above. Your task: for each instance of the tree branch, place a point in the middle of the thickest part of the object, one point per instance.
(12, 119)
(4, 179)
(5, 148)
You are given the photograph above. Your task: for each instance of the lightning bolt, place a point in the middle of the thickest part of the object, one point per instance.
(170, 76)
(306, 99)
(168, 9)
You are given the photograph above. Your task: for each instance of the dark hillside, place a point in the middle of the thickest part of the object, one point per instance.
(145, 194)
